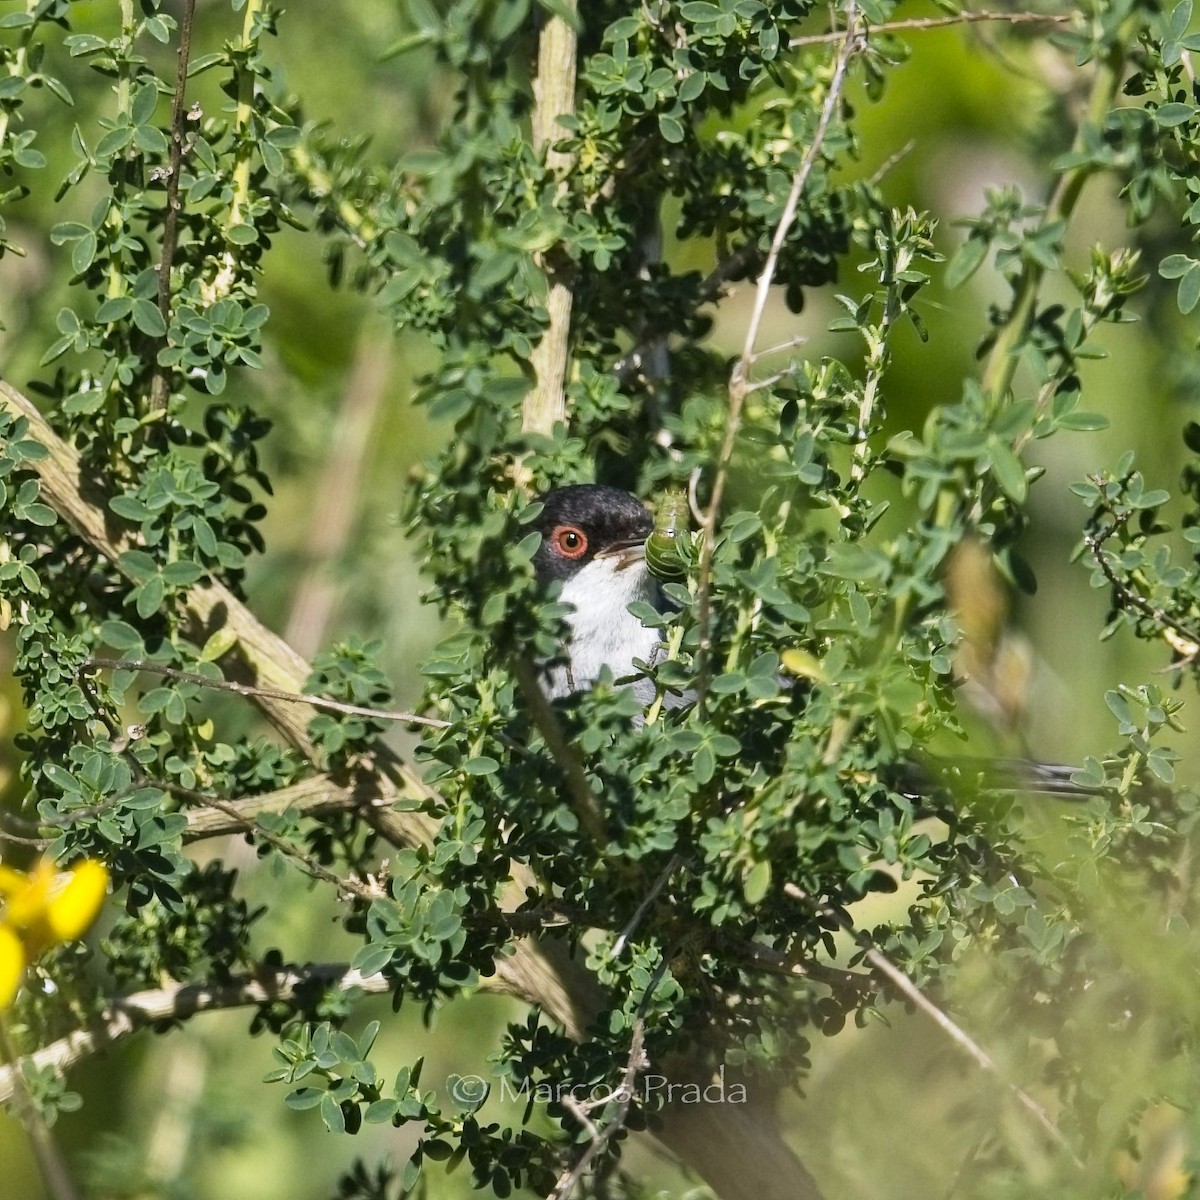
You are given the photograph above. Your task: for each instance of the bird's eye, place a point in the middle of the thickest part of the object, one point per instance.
(570, 541)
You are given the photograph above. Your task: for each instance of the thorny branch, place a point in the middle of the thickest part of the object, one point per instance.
(159, 385)
(739, 385)
(1127, 597)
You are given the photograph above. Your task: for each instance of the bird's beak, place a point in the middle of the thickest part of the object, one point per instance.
(625, 554)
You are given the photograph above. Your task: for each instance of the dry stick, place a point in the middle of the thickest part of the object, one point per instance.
(158, 386)
(918, 23)
(739, 377)
(258, 693)
(918, 999)
(545, 406)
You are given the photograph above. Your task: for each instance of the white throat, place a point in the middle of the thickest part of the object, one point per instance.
(603, 631)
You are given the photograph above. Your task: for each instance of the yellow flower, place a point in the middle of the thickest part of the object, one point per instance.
(43, 909)
(12, 965)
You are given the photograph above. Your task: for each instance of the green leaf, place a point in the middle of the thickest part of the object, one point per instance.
(302, 1098)
(671, 128)
(83, 253)
(149, 596)
(148, 318)
(966, 261)
(1167, 116)
(182, 573)
(145, 100)
(693, 87)
(150, 140)
(1189, 290)
(331, 1114)
(379, 1112)
(1083, 422)
(1008, 470)
(219, 643)
(115, 308)
(120, 635)
(481, 765)
(1175, 265)
(138, 564)
(1119, 707)
(129, 507)
(39, 514)
(757, 883)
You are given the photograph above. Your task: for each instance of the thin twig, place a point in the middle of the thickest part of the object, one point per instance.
(919, 23)
(17, 840)
(247, 689)
(777, 963)
(623, 1095)
(159, 387)
(652, 895)
(348, 886)
(891, 162)
(634, 1066)
(547, 723)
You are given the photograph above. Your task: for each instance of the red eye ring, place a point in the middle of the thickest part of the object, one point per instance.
(569, 541)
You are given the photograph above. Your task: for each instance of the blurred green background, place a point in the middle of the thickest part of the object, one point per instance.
(889, 1110)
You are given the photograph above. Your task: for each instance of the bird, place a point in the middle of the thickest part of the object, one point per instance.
(593, 543)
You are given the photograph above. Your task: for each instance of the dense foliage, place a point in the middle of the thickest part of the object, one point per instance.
(685, 893)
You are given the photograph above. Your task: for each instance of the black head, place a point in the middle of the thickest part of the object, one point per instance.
(583, 520)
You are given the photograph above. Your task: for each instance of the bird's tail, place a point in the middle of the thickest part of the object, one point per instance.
(994, 775)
